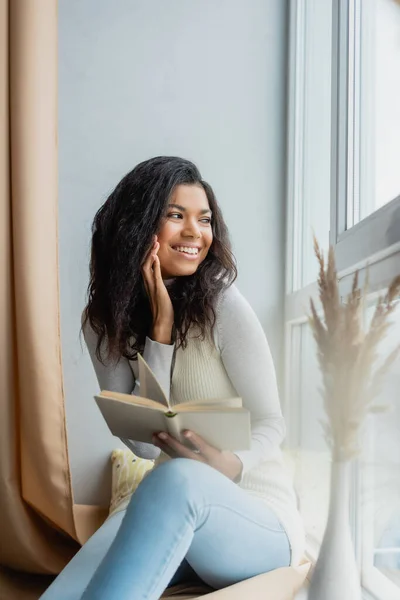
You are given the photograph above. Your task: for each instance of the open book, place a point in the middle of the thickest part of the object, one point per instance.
(224, 424)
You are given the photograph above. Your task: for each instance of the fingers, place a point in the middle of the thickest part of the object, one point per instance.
(157, 271)
(171, 444)
(160, 301)
(207, 451)
(147, 269)
(148, 283)
(148, 253)
(149, 259)
(148, 263)
(164, 447)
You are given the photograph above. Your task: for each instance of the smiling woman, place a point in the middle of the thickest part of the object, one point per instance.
(161, 284)
(164, 197)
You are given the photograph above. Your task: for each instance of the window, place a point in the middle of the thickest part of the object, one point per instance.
(379, 81)
(344, 183)
(312, 457)
(380, 482)
(310, 113)
(365, 178)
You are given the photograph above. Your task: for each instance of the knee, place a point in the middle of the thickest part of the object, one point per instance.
(179, 470)
(181, 476)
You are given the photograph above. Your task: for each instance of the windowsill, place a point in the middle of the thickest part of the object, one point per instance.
(303, 593)
(392, 574)
(376, 585)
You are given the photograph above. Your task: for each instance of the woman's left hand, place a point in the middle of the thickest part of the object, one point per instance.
(224, 461)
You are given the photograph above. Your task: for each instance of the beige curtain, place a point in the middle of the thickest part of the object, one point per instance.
(39, 525)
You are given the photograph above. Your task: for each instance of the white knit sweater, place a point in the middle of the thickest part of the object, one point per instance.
(237, 362)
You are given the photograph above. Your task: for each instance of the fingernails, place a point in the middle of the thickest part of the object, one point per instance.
(188, 434)
(163, 436)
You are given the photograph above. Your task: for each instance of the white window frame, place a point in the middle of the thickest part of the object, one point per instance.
(364, 245)
(366, 242)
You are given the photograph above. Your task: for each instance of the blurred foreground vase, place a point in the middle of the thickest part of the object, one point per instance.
(336, 575)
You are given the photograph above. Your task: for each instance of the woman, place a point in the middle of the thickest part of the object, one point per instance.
(161, 284)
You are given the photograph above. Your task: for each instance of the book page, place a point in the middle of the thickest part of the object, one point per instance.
(209, 404)
(131, 399)
(149, 386)
(130, 421)
(225, 430)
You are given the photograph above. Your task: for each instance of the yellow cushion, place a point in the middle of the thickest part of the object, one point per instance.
(128, 471)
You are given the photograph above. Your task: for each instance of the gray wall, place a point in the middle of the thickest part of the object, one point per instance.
(203, 79)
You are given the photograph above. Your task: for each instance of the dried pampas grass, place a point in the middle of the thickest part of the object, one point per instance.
(348, 356)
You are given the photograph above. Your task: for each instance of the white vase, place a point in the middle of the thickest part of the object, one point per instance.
(336, 575)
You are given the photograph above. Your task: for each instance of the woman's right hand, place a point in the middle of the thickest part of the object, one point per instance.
(160, 301)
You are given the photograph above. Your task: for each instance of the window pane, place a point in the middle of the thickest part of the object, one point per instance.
(312, 181)
(312, 477)
(383, 481)
(387, 90)
(379, 106)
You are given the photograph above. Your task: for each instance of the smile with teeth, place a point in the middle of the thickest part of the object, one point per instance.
(188, 251)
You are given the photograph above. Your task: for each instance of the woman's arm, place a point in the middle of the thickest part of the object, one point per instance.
(248, 362)
(118, 377)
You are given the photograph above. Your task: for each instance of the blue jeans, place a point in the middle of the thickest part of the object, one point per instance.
(185, 518)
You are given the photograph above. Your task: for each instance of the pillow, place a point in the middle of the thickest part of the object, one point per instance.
(128, 470)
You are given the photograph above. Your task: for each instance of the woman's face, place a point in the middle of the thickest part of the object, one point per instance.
(186, 234)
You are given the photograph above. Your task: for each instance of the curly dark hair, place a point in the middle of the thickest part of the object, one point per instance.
(118, 308)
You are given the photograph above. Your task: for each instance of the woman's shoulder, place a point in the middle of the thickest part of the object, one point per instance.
(235, 313)
(237, 323)
(233, 301)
